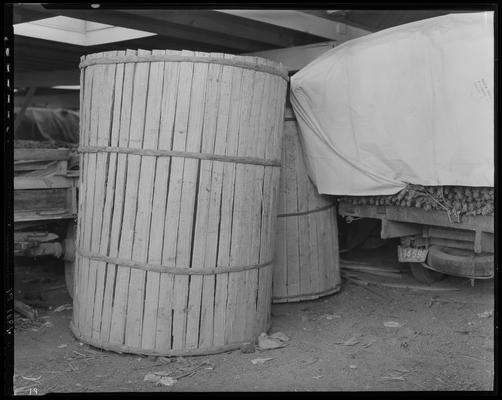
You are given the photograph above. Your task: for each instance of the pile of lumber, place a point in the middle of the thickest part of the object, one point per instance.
(456, 200)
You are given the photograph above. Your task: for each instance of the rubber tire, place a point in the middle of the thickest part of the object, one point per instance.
(459, 262)
(69, 266)
(425, 275)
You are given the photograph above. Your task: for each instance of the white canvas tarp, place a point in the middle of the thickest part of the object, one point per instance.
(409, 104)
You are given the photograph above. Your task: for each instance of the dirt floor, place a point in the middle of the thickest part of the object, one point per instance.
(440, 340)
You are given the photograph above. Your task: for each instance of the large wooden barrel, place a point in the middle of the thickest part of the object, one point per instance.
(180, 165)
(307, 261)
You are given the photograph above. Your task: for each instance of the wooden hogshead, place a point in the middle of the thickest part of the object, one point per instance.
(180, 160)
(307, 261)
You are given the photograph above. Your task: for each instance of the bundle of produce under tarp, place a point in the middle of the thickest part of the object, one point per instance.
(455, 200)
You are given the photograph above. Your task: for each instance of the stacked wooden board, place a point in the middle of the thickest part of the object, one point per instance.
(180, 165)
(307, 261)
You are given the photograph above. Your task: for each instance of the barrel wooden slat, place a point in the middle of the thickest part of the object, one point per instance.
(166, 289)
(89, 283)
(177, 211)
(149, 173)
(307, 263)
(193, 172)
(206, 223)
(123, 217)
(109, 205)
(102, 212)
(226, 140)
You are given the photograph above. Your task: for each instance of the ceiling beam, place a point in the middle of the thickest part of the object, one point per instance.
(229, 25)
(46, 78)
(160, 27)
(295, 20)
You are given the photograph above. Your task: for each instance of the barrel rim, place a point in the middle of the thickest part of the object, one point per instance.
(261, 64)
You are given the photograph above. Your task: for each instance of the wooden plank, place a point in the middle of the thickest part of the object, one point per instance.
(225, 300)
(226, 140)
(162, 185)
(41, 154)
(123, 211)
(89, 240)
(109, 208)
(101, 223)
(276, 150)
(281, 267)
(201, 301)
(258, 129)
(149, 224)
(178, 257)
(139, 195)
(189, 195)
(77, 293)
(239, 251)
(292, 247)
(303, 238)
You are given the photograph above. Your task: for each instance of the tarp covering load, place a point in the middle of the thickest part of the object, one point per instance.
(49, 125)
(411, 104)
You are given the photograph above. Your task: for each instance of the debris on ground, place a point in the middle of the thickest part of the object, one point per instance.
(25, 310)
(332, 316)
(62, 346)
(261, 360)
(392, 324)
(63, 307)
(350, 342)
(275, 341)
(247, 348)
(160, 379)
(33, 379)
(352, 366)
(485, 314)
(181, 368)
(309, 361)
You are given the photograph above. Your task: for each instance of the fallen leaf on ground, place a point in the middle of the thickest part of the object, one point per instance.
(392, 324)
(261, 360)
(62, 346)
(485, 314)
(318, 377)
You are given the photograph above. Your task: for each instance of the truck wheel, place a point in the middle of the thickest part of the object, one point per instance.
(461, 262)
(425, 275)
(69, 257)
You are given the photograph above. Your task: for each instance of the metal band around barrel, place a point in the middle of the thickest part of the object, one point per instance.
(306, 212)
(275, 70)
(167, 269)
(183, 154)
